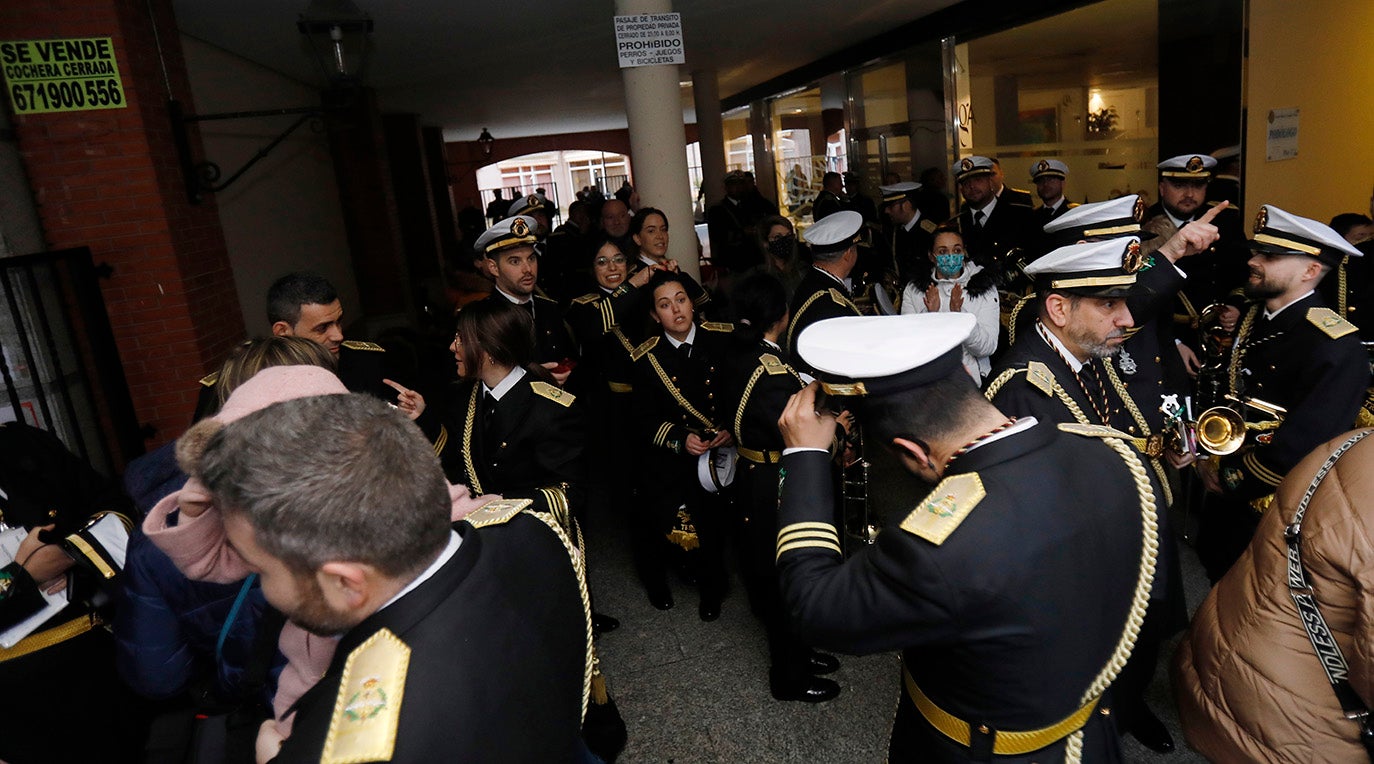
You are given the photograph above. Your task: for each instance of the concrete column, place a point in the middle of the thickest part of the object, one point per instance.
(710, 134)
(658, 143)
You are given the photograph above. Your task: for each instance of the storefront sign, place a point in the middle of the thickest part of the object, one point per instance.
(1281, 134)
(649, 39)
(78, 74)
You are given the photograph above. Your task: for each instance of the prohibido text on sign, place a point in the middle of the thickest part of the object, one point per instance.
(649, 39)
(45, 76)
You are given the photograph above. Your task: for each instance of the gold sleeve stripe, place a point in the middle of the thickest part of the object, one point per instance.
(662, 434)
(809, 544)
(1260, 471)
(89, 552)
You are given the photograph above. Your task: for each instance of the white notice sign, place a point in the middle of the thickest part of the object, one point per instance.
(649, 39)
(1281, 134)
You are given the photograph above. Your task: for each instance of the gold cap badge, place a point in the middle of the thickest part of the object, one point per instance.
(966, 165)
(519, 227)
(1133, 259)
(1194, 165)
(1262, 219)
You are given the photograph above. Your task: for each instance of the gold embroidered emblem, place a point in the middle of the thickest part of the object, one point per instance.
(1132, 259)
(519, 227)
(1042, 166)
(554, 393)
(1138, 211)
(1261, 219)
(966, 164)
(945, 508)
(498, 512)
(1330, 322)
(1194, 164)
(367, 710)
(1040, 377)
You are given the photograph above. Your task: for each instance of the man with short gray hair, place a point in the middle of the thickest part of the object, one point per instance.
(438, 624)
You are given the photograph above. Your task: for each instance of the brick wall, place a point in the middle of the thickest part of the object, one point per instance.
(110, 180)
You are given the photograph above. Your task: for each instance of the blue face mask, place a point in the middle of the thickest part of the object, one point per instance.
(951, 264)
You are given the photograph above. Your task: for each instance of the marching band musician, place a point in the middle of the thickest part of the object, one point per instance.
(1292, 351)
(1008, 604)
(681, 409)
(764, 382)
(825, 291)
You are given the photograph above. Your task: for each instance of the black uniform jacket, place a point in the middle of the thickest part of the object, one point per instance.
(1149, 364)
(819, 296)
(45, 483)
(910, 250)
(1007, 621)
(1022, 391)
(497, 651)
(552, 340)
(826, 204)
(362, 367)
(667, 384)
(1308, 360)
(1010, 226)
(533, 450)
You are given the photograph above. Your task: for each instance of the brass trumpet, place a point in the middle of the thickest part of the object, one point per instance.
(1222, 430)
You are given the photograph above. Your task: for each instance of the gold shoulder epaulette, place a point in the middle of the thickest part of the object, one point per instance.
(1040, 376)
(717, 326)
(360, 345)
(772, 364)
(928, 225)
(838, 296)
(210, 379)
(644, 348)
(1331, 324)
(554, 393)
(942, 511)
(539, 295)
(586, 298)
(367, 710)
(1093, 430)
(497, 512)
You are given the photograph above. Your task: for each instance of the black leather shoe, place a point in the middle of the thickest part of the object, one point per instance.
(821, 663)
(804, 688)
(602, 624)
(661, 598)
(709, 610)
(1151, 732)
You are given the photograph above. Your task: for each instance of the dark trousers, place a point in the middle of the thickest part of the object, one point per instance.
(1224, 529)
(756, 533)
(665, 489)
(68, 705)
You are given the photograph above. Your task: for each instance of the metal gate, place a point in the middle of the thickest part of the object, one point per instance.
(58, 361)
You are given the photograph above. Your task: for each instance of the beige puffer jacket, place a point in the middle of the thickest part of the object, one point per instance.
(1248, 683)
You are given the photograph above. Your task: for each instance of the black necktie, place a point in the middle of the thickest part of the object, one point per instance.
(489, 415)
(528, 305)
(685, 349)
(978, 218)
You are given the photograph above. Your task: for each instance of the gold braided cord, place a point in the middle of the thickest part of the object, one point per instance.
(1144, 428)
(748, 390)
(677, 394)
(580, 570)
(1341, 286)
(474, 483)
(1002, 379)
(793, 326)
(1238, 349)
(1149, 553)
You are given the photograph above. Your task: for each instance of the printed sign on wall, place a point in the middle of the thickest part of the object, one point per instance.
(77, 74)
(649, 39)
